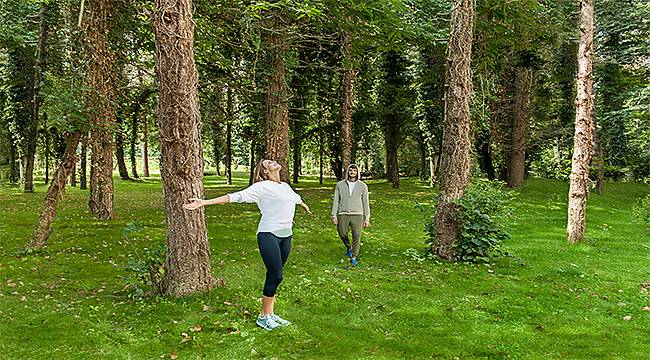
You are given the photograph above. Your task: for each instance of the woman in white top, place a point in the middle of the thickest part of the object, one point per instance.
(277, 203)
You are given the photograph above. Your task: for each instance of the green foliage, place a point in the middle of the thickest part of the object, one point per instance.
(145, 267)
(641, 210)
(481, 214)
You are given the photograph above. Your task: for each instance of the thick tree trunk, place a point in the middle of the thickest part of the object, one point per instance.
(54, 193)
(82, 164)
(392, 167)
(455, 155)
(229, 121)
(187, 264)
(519, 140)
(583, 138)
(348, 98)
(277, 109)
(119, 149)
(101, 78)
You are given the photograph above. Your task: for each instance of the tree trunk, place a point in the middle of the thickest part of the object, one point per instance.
(422, 157)
(320, 159)
(433, 162)
(135, 121)
(455, 163)
(229, 121)
(13, 164)
(218, 118)
(119, 149)
(54, 193)
(348, 98)
(251, 163)
(519, 140)
(187, 264)
(583, 138)
(145, 147)
(101, 78)
(600, 163)
(392, 167)
(82, 163)
(277, 109)
(73, 173)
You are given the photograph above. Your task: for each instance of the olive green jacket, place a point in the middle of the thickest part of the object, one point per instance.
(357, 204)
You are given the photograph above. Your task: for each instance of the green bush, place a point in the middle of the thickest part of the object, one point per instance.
(641, 210)
(480, 214)
(145, 267)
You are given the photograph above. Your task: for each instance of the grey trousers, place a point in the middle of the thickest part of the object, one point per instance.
(354, 222)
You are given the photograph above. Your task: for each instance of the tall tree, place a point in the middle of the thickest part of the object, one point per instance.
(519, 136)
(348, 75)
(277, 108)
(101, 78)
(583, 137)
(455, 155)
(187, 264)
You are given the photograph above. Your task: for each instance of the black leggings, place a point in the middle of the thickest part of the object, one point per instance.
(275, 252)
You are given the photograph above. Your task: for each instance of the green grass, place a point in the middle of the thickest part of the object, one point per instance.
(551, 300)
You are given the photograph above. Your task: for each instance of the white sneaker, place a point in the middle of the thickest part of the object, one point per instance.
(280, 320)
(267, 322)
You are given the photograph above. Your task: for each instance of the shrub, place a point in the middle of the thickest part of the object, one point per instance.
(145, 267)
(480, 214)
(641, 210)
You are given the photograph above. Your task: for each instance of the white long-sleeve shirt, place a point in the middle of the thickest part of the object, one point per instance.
(277, 203)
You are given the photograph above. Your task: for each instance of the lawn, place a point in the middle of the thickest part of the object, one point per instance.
(548, 300)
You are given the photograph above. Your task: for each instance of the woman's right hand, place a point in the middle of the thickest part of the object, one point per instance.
(195, 204)
(335, 220)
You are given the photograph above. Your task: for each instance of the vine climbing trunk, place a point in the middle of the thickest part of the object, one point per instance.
(102, 79)
(583, 136)
(455, 162)
(187, 264)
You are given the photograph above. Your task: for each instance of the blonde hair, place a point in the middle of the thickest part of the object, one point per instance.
(258, 173)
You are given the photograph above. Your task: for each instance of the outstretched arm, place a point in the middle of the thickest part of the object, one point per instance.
(197, 203)
(304, 206)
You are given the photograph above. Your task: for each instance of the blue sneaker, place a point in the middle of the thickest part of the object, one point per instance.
(354, 261)
(348, 253)
(280, 320)
(266, 322)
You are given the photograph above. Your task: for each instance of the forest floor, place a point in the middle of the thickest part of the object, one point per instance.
(548, 300)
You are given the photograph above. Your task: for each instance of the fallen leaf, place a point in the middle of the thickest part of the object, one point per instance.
(196, 328)
(206, 308)
(173, 356)
(646, 308)
(11, 283)
(627, 318)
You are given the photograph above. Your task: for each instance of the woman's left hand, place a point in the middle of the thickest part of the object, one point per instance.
(304, 206)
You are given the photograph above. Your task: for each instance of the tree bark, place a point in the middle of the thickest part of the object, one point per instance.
(455, 150)
(229, 120)
(348, 98)
(73, 174)
(119, 148)
(277, 109)
(187, 265)
(583, 137)
(519, 140)
(101, 78)
(54, 193)
(82, 164)
(145, 147)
